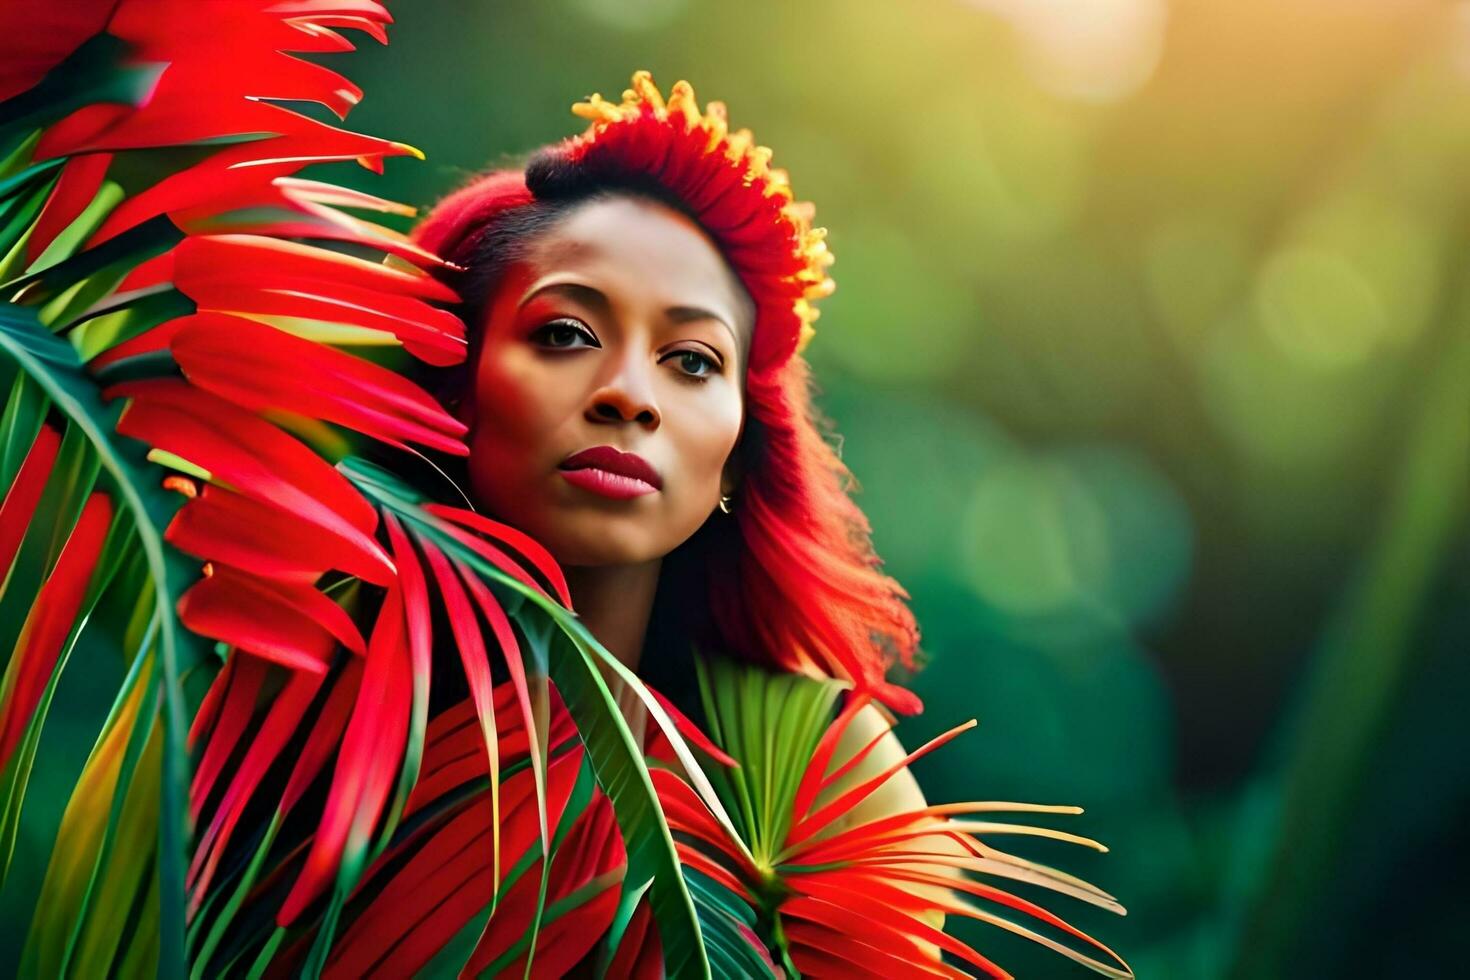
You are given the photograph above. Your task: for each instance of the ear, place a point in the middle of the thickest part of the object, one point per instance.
(729, 482)
(734, 470)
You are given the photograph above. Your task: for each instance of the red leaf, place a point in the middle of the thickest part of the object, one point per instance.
(209, 707)
(1000, 897)
(687, 813)
(292, 625)
(591, 850)
(847, 944)
(287, 710)
(470, 643)
(704, 863)
(811, 778)
(325, 737)
(265, 260)
(813, 823)
(523, 544)
(259, 367)
(692, 733)
(208, 527)
(252, 456)
(39, 35)
(81, 178)
(446, 881)
(640, 955)
(367, 764)
(434, 335)
(25, 493)
(838, 906)
(535, 726)
(455, 754)
(240, 683)
(50, 621)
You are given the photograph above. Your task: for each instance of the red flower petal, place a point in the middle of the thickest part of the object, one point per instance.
(208, 528)
(367, 764)
(25, 493)
(259, 367)
(292, 625)
(252, 456)
(50, 621)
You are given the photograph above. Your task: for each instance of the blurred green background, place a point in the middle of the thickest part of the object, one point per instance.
(1151, 351)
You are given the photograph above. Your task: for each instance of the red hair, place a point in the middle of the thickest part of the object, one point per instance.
(803, 590)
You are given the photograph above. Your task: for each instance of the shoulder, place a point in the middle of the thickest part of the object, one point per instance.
(898, 793)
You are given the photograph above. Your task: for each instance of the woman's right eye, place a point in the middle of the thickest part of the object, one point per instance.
(564, 332)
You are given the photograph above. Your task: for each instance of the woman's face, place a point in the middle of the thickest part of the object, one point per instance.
(608, 395)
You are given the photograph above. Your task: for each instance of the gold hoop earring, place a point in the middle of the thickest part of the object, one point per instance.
(725, 503)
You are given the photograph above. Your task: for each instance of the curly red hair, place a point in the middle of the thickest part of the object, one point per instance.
(801, 588)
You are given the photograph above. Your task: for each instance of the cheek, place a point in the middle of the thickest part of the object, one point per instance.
(519, 410)
(516, 405)
(703, 438)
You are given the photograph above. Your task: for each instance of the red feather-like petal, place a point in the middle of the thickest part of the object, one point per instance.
(251, 456)
(522, 543)
(51, 619)
(208, 527)
(25, 493)
(367, 764)
(259, 367)
(293, 625)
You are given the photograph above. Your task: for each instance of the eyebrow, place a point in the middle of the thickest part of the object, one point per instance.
(595, 299)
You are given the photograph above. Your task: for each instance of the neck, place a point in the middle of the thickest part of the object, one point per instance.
(614, 602)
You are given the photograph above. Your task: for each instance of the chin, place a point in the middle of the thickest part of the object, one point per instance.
(602, 540)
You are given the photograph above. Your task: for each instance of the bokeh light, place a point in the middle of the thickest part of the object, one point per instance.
(1088, 534)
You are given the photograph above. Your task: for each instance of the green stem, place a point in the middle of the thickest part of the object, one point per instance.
(1360, 666)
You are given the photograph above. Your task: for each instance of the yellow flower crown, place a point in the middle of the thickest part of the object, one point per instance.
(804, 276)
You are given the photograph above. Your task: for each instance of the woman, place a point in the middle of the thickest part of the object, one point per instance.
(635, 402)
(630, 410)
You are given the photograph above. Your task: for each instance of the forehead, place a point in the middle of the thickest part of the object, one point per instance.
(642, 252)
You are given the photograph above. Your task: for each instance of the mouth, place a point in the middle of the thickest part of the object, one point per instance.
(610, 473)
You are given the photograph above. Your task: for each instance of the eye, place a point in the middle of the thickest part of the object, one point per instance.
(564, 332)
(694, 364)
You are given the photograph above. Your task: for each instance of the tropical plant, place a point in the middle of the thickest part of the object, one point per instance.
(308, 732)
(838, 896)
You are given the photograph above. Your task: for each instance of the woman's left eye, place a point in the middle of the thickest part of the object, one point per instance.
(695, 364)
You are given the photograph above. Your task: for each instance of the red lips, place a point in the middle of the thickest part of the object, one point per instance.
(611, 473)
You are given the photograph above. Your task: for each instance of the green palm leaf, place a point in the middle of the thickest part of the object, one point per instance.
(90, 447)
(827, 896)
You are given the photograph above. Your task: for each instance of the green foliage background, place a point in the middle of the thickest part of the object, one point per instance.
(1151, 351)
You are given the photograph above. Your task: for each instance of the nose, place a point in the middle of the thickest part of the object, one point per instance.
(627, 396)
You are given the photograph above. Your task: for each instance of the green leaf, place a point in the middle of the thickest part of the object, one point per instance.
(24, 410)
(124, 251)
(92, 816)
(17, 218)
(115, 552)
(54, 364)
(91, 74)
(770, 722)
(73, 474)
(729, 926)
